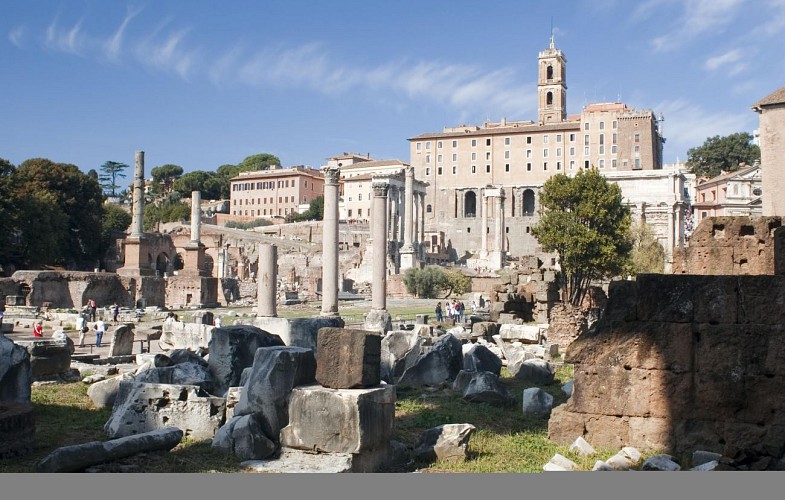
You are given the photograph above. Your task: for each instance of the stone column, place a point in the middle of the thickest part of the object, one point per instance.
(330, 242)
(500, 222)
(484, 225)
(379, 223)
(421, 217)
(408, 210)
(196, 216)
(267, 280)
(137, 217)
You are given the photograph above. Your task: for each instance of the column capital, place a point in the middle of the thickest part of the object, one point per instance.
(331, 175)
(409, 171)
(380, 188)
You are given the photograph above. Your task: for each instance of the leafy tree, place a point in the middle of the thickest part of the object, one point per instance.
(261, 161)
(456, 282)
(165, 175)
(210, 184)
(58, 215)
(584, 220)
(114, 220)
(425, 283)
(248, 224)
(315, 211)
(722, 153)
(648, 255)
(7, 212)
(168, 211)
(110, 171)
(92, 174)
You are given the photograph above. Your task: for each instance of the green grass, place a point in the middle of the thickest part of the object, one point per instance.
(505, 439)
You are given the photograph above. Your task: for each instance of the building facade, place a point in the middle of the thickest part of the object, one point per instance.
(276, 192)
(736, 193)
(461, 163)
(771, 116)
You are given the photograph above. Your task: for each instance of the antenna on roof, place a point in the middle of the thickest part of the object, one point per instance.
(552, 44)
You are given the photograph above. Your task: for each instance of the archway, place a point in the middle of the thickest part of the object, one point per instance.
(528, 203)
(162, 263)
(470, 204)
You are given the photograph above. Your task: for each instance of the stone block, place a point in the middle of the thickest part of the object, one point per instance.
(17, 429)
(484, 329)
(232, 349)
(347, 358)
(148, 407)
(536, 371)
(300, 332)
(537, 403)
(233, 395)
(121, 340)
(666, 298)
(549, 276)
(599, 465)
(399, 351)
(104, 393)
(48, 357)
(485, 387)
(700, 457)
(16, 375)
(660, 463)
(340, 420)
(526, 334)
(446, 442)
(243, 437)
(440, 364)
(480, 358)
(560, 463)
(421, 319)
(462, 380)
(582, 447)
(275, 372)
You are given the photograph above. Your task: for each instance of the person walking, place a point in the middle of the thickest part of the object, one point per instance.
(92, 306)
(439, 316)
(81, 327)
(38, 329)
(100, 329)
(115, 312)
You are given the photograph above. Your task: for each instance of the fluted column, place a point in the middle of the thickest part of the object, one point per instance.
(196, 216)
(408, 209)
(330, 243)
(137, 216)
(379, 234)
(421, 218)
(500, 222)
(267, 280)
(484, 227)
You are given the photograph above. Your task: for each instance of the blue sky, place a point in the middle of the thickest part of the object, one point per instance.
(201, 84)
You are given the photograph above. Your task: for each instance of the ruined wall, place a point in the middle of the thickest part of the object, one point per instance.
(734, 245)
(682, 362)
(72, 289)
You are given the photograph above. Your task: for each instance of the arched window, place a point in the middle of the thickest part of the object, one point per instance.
(549, 99)
(428, 208)
(549, 72)
(470, 204)
(528, 203)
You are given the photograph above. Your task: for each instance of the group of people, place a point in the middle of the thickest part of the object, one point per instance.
(453, 310)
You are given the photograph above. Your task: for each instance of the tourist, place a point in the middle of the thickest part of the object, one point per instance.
(218, 322)
(439, 316)
(115, 312)
(460, 311)
(91, 307)
(100, 329)
(450, 310)
(81, 327)
(1, 321)
(38, 329)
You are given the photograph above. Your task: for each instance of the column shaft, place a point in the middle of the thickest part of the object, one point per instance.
(330, 243)
(267, 280)
(137, 216)
(196, 216)
(379, 234)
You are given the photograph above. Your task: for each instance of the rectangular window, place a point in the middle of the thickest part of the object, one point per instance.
(528, 167)
(558, 165)
(359, 212)
(488, 169)
(487, 155)
(585, 151)
(614, 124)
(545, 139)
(474, 156)
(545, 165)
(572, 164)
(506, 141)
(439, 158)
(613, 149)
(602, 125)
(506, 155)
(506, 167)
(586, 164)
(602, 138)
(586, 126)
(349, 212)
(360, 197)
(474, 169)
(528, 153)
(439, 170)
(418, 147)
(528, 139)
(637, 163)
(439, 145)
(428, 145)
(602, 163)
(474, 143)
(558, 138)
(586, 140)
(427, 158)
(455, 144)
(427, 171)
(454, 157)
(613, 163)
(637, 149)
(454, 170)
(488, 142)
(637, 138)
(615, 136)
(545, 153)
(572, 151)
(602, 150)
(572, 137)
(558, 152)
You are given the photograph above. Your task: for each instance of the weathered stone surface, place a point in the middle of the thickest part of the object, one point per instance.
(377, 321)
(340, 420)
(485, 329)
(536, 371)
(485, 387)
(526, 334)
(275, 372)
(179, 335)
(78, 457)
(242, 436)
(92, 379)
(149, 407)
(565, 324)
(582, 447)
(446, 442)
(104, 393)
(348, 359)
(560, 463)
(233, 395)
(700, 457)
(17, 429)
(232, 349)
(16, 374)
(537, 403)
(399, 351)
(48, 357)
(462, 380)
(481, 359)
(711, 465)
(180, 374)
(299, 332)
(624, 459)
(293, 461)
(660, 463)
(439, 365)
(600, 465)
(121, 340)
(187, 356)
(568, 387)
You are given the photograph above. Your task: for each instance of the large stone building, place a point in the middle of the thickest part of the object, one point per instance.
(771, 111)
(731, 193)
(468, 167)
(276, 192)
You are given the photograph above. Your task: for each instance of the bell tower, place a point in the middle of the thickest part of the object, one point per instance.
(552, 86)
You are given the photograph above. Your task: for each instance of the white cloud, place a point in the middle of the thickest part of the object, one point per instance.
(699, 17)
(733, 62)
(17, 35)
(168, 53)
(114, 45)
(776, 18)
(71, 41)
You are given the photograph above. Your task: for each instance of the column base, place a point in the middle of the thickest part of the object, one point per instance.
(378, 320)
(408, 259)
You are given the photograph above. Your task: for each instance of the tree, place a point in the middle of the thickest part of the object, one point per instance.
(114, 220)
(585, 222)
(315, 211)
(648, 255)
(456, 282)
(424, 283)
(165, 175)
(719, 154)
(208, 183)
(261, 161)
(110, 171)
(58, 215)
(7, 213)
(168, 211)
